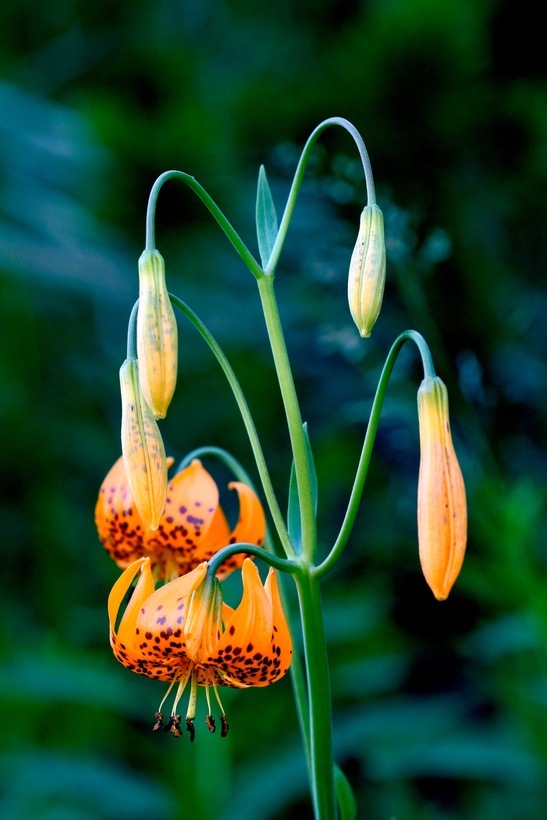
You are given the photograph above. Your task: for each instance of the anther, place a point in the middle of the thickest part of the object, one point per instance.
(173, 726)
(224, 725)
(210, 723)
(159, 721)
(190, 729)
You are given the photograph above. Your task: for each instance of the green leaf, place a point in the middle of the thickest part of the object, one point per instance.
(294, 524)
(344, 795)
(266, 218)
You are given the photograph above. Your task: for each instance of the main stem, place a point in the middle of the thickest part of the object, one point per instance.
(294, 418)
(320, 719)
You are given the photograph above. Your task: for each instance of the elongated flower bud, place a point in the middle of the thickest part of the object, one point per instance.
(142, 448)
(157, 339)
(367, 270)
(442, 509)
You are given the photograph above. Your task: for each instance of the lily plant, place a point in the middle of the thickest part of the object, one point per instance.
(172, 538)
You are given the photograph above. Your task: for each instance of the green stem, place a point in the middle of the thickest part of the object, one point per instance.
(223, 455)
(299, 175)
(247, 420)
(274, 561)
(294, 419)
(368, 444)
(211, 205)
(132, 332)
(300, 692)
(320, 719)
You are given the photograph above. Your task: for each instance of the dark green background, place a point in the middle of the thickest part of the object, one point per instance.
(440, 710)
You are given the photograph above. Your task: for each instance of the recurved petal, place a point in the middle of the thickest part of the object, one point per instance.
(143, 590)
(124, 639)
(250, 528)
(120, 526)
(248, 653)
(283, 639)
(251, 525)
(190, 508)
(119, 590)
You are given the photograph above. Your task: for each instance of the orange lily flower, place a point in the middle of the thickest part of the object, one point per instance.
(442, 508)
(192, 528)
(183, 632)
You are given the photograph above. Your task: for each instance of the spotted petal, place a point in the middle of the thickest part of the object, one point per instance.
(160, 623)
(254, 649)
(250, 528)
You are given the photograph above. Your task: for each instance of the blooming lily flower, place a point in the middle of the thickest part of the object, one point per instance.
(183, 632)
(442, 509)
(192, 528)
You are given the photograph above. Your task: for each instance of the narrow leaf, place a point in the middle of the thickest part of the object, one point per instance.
(266, 218)
(344, 795)
(294, 525)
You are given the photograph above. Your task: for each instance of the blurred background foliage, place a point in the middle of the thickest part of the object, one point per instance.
(440, 709)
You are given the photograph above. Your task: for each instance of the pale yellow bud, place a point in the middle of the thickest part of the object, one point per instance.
(367, 270)
(442, 509)
(142, 448)
(157, 338)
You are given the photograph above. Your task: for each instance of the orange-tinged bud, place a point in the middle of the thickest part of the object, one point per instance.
(142, 448)
(442, 509)
(157, 338)
(367, 270)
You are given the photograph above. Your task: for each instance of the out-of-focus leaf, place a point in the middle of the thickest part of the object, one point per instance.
(346, 799)
(90, 786)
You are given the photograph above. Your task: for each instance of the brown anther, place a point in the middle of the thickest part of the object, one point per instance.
(174, 726)
(210, 723)
(224, 725)
(190, 729)
(159, 721)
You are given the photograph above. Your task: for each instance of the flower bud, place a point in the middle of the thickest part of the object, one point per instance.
(442, 509)
(142, 448)
(157, 341)
(367, 270)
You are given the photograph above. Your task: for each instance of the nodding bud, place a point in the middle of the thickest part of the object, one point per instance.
(367, 270)
(142, 448)
(157, 340)
(442, 509)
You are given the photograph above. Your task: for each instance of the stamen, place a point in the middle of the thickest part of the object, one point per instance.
(174, 726)
(191, 713)
(190, 729)
(180, 690)
(209, 722)
(217, 696)
(223, 721)
(159, 721)
(165, 697)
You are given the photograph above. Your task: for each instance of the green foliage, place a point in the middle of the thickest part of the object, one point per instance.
(440, 709)
(266, 218)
